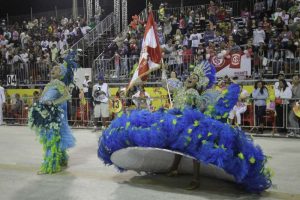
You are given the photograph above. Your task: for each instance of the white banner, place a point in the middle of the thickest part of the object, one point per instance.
(234, 65)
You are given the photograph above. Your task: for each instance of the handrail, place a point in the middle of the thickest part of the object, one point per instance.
(95, 33)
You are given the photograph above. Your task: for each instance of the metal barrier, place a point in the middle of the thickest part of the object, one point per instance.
(80, 112)
(275, 61)
(231, 7)
(26, 73)
(121, 70)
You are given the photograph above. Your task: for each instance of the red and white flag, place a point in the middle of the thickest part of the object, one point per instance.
(150, 57)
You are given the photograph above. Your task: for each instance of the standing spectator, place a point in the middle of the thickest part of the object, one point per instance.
(212, 11)
(54, 53)
(2, 102)
(260, 96)
(75, 102)
(282, 94)
(195, 38)
(182, 24)
(285, 17)
(85, 85)
(117, 62)
(259, 36)
(36, 97)
(17, 107)
(101, 97)
(142, 99)
(281, 77)
(293, 119)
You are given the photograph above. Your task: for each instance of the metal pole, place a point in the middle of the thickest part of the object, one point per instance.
(7, 19)
(181, 5)
(31, 14)
(55, 9)
(83, 9)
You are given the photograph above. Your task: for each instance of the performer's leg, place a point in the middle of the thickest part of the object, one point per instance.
(52, 155)
(105, 114)
(174, 168)
(238, 113)
(195, 183)
(64, 159)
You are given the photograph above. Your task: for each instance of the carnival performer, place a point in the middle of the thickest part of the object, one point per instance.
(48, 117)
(195, 128)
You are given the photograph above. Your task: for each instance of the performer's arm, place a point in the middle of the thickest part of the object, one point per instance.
(62, 88)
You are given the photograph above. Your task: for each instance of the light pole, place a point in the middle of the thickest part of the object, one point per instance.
(75, 9)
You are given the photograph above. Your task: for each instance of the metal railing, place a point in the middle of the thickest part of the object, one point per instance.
(232, 8)
(26, 74)
(91, 37)
(275, 61)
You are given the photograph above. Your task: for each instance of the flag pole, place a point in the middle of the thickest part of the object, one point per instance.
(168, 89)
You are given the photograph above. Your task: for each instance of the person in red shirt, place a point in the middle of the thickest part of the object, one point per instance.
(187, 56)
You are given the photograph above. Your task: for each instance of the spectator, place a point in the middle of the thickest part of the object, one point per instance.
(142, 99)
(85, 85)
(260, 96)
(259, 36)
(293, 119)
(36, 96)
(282, 94)
(195, 39)
(101, 97)
(17, 107)
(2, 102)
(240, 107)
(281, 76)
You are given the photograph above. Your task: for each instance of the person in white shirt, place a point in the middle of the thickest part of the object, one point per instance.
(54, 53)
(44, 44)
(280, 77)
(285, 17)
(282, 95)
(85, 85)
(195, 38)
(85, 29)
(142, 99)
(278, 13)
(101, 97)
(240, 107)
(2, 102)
(259, 36)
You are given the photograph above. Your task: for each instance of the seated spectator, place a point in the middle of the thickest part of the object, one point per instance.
(240, 107)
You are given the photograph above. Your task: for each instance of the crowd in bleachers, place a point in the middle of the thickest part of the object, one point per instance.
(28, 49)
(269, 34)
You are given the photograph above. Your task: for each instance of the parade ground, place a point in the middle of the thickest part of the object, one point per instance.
(87, 178)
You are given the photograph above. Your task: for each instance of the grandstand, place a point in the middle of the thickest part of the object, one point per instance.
(245, 41)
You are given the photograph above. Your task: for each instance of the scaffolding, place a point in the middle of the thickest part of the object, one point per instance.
(124, 14)
(89, 10)
(117, 16)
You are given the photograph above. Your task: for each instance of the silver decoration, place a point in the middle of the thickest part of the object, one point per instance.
(155, 160)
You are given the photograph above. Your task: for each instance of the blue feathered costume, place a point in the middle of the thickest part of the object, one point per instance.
(48, 118)
(202, 136)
